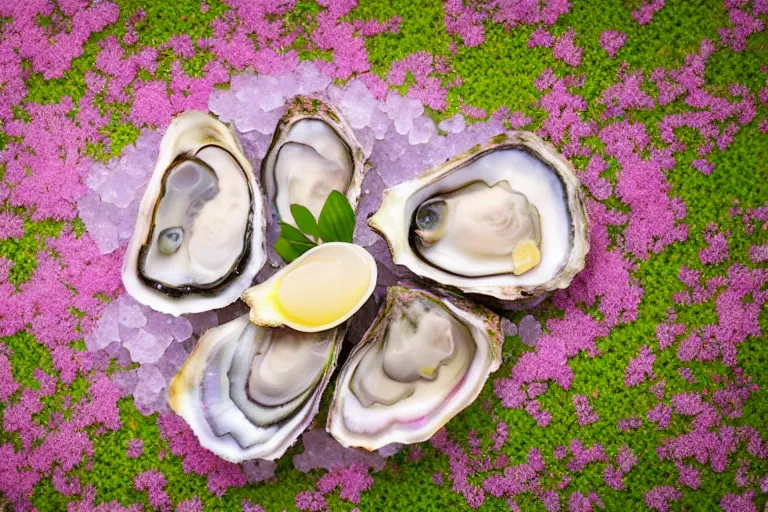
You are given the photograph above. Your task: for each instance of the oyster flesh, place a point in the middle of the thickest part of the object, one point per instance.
(505, 220)
(313, 152)
(249, 392)
(423, 360)
(199, 236)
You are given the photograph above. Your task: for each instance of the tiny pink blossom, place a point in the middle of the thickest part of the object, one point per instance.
(11, 226)
(566, 50)
(640, 367)
(658, 498)
(612, 41)
(135, 448)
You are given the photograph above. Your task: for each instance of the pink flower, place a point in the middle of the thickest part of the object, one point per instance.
(11, 226)
(611, 41)
(658, 498)
(565, 49)
(640, 367)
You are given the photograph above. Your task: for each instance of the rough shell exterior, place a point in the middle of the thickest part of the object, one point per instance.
(486, 328)
(305, 107)
(393, 219)
(188, 133)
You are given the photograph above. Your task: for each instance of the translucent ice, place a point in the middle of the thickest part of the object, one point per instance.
(454, 124)
(529, 330)
(242, 81)
(323, 451)
(423, 129)
(106, 330)
(224, 104)
(99, 226)
(370, 200)
(402, 111)
(310, 78)
(366, 139)
(255, 145)
(390, 449)
(181, 328)
(270, 94)
(251, 119)
(149, 394)
(126, 380)
(144, 347)
(160, 325)
(171, 360)
(380, 123)
(201, 322)
(130, 313)
(259, 470)
(508, 327)
(355, 102)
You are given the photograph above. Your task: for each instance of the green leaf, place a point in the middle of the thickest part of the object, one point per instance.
(337, 219)
(294, 236)
(305, 220)
(288, 251)
(292, 243)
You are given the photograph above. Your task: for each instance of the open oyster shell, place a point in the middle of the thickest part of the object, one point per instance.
(199, 236)
(424, 359)
(313, 152)
(248, 392)
(505, 220)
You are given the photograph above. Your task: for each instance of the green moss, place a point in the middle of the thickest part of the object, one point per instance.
(498, 73)
(23, 251)
(27, 355)
(422, 29)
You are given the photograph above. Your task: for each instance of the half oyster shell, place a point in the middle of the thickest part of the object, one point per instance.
(313, 152)
(424, 360)
(199, 236)
(505, 220)
(248, 392)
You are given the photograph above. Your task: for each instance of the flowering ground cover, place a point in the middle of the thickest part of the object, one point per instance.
(642, 386)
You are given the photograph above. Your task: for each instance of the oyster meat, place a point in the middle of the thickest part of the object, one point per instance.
(319, 290)
(424, 360)
(248, 391)
(479, 230)
(199, 236)
(505, 220)
(313, 152)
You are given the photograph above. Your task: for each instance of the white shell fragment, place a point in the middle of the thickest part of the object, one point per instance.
(505, 220)
(424, 360)
(319, 290)
(313, 152)
(249, 392)
(199, 237)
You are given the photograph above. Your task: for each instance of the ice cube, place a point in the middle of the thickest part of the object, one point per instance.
(454, 124)
(529, 330)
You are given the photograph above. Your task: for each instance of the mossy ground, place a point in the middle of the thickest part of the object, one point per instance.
(498, 73)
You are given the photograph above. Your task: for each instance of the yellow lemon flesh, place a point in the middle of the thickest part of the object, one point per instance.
(324, 287)
(525, 256)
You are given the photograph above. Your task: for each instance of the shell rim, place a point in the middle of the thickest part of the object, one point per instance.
(329, 115)
(579, 227)
(219, 296)
(491, 328)
(179, 385)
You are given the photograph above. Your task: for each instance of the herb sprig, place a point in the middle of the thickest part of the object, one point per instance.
(335, 224)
